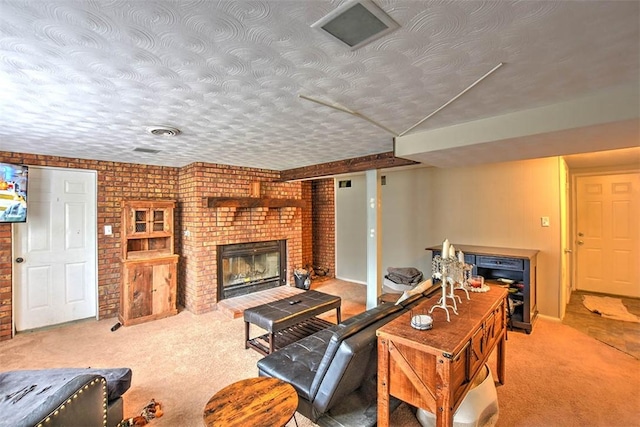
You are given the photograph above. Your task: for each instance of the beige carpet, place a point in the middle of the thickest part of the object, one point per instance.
(556, 376)
(611, 308)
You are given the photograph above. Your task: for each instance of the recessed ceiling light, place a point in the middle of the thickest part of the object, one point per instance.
(163, 130)
(357, 23)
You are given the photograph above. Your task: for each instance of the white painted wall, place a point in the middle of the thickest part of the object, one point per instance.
(501, 205)
(497, 204)
(405, 210)
(488, 205)
(351, 230)
(404, 237)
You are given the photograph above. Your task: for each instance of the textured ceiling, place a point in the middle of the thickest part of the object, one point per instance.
(86, 78)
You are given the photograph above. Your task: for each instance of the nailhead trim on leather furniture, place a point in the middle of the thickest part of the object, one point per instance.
(97, 381)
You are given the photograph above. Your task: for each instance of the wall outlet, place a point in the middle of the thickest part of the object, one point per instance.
(108, 231)
(544, 221)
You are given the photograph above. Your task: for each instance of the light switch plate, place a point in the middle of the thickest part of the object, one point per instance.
(545, 221)
(108, 231)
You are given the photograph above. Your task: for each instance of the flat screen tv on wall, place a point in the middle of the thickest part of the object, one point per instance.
(13, 192)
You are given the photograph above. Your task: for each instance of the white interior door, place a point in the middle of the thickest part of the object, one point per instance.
(56, 282)
(608, 234)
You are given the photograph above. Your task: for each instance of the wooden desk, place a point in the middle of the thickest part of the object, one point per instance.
(434, 369)
(258, 401)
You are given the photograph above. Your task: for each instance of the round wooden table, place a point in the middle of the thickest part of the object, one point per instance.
(261, 401)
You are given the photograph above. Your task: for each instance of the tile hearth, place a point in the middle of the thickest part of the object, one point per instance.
(234, 307)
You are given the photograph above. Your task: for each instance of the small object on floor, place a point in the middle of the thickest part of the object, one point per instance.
(152, 410)
(478, 408)
(115, 327)
(404, 275)
(610, 308)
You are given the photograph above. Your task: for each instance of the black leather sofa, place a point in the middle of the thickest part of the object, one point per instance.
(63, 397)
(334, 371)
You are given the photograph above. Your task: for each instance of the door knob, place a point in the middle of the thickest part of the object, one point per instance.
(580, 242)
(568, 251)
(19, 260)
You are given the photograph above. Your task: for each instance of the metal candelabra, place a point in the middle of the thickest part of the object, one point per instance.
(453, 274)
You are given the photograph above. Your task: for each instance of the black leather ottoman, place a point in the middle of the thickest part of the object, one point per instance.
(289, 319)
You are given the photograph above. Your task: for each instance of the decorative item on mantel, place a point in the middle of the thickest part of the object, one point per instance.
(254, 189)
(453, 273)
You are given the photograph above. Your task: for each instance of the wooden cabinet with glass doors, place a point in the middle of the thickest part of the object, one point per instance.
(149, 265)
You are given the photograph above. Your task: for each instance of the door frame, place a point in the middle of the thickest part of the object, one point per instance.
(95, 254)
(567, 263)
(580, 173)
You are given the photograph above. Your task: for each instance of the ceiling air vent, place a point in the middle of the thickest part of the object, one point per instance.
(146, 150)
(357, 23)
(163, 131)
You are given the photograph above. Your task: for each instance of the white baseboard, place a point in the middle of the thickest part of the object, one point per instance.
(351, 280)
(550, 318)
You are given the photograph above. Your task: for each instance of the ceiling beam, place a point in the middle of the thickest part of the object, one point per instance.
(604, 120)
(358, 164)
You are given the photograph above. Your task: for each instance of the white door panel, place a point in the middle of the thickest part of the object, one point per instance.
(57, 282)
(608, 240)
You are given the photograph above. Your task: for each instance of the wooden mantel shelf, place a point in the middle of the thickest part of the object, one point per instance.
(251, 202)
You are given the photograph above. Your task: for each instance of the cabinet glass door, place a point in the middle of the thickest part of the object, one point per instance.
(158, 220)
(140, 221)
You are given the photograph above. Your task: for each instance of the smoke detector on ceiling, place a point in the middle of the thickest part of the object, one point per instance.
(163, 131)
(357, 23)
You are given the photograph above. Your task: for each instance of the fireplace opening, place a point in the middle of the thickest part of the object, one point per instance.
(244, 268)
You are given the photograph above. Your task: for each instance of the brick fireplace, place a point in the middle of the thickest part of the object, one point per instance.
(209, 220)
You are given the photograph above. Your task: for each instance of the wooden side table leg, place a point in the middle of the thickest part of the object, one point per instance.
(501, 357)
(338, 315)
(502, 344)
(383, 383)
(272, 339)
(444, 401)
(246, 335)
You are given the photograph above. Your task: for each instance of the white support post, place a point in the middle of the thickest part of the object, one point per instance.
(374, 239)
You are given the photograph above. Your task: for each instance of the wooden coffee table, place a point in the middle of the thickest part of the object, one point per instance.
(261, 401)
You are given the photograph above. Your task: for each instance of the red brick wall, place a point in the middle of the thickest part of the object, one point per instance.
(307, 224)
(115, 182)
(207, 227)
(5, 281)
(323, 217)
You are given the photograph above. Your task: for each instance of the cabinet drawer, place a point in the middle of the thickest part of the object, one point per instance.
(459, 374)
(476, 354)
(494, 326)
(499, 262)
